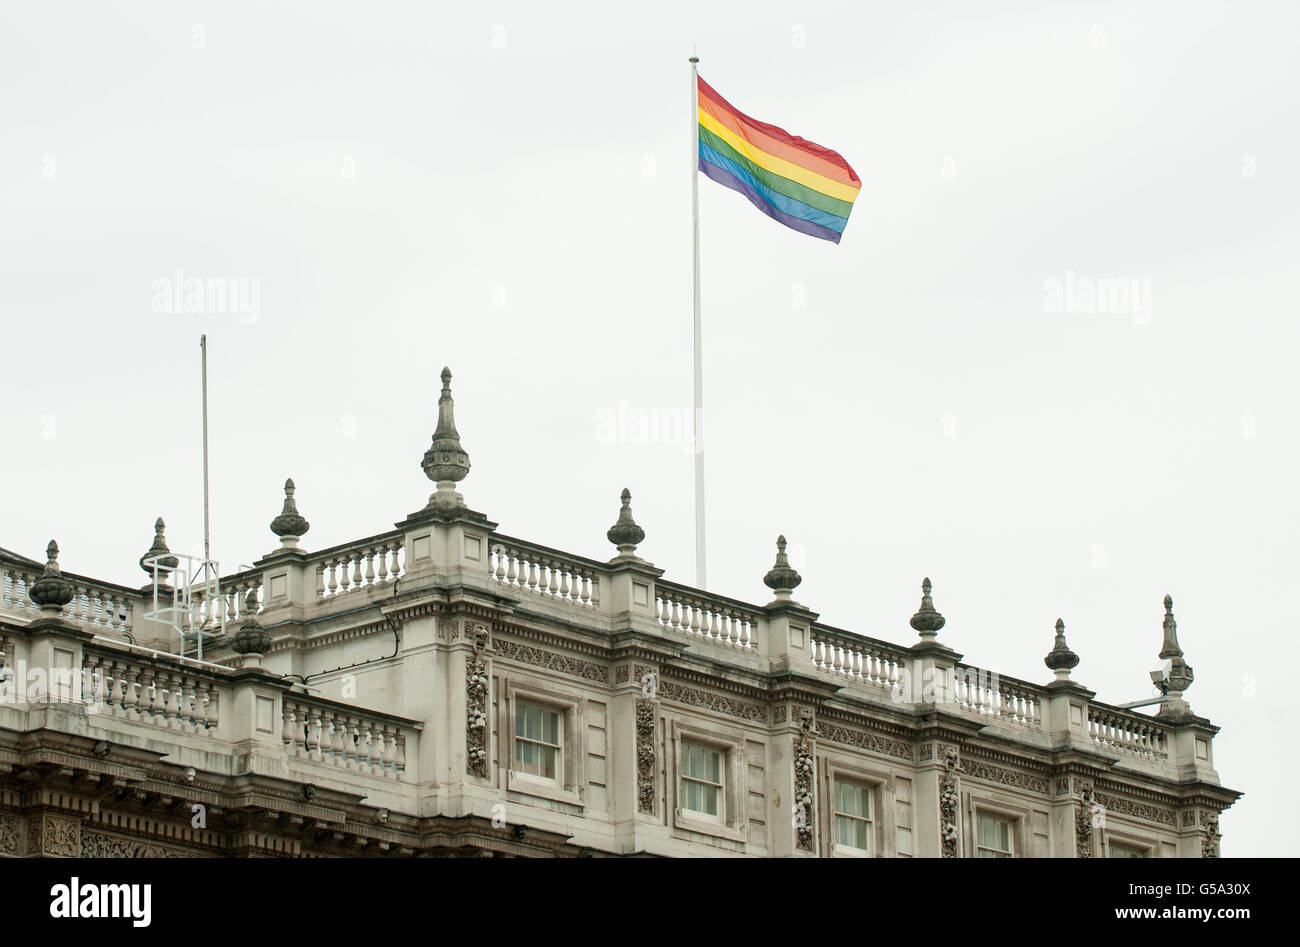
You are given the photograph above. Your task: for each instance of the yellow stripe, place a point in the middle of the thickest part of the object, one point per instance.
(787, 169)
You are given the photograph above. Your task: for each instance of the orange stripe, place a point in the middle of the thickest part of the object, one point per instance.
(765, 142)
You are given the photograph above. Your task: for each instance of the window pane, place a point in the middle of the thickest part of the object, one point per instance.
(995, 834)
(852, 799)
(714, 768)
(551, 734)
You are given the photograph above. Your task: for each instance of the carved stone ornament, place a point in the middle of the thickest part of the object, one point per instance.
(476, 685)
(52, 835)
(803, 784)
(645, 756)
(1083, 822)
(948, 802)
(1210, 844)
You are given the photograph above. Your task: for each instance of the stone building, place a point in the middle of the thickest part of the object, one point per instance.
(441, 688)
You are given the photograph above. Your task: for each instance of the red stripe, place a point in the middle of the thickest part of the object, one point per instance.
(777, 141)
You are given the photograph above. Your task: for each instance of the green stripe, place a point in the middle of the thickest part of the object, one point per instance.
(782, 185)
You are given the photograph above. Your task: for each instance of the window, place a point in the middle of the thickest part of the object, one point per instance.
(993, 836)
(702, 780)
(538, 747)
(853, 815)
(1116, 850)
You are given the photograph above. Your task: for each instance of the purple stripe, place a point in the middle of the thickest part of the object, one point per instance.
(727, 179)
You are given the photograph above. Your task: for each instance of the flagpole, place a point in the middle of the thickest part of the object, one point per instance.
(207, 545)
(699, 364)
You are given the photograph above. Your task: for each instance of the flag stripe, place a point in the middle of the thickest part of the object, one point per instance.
(775, 141)
(787, 169)
(788, 206)
(776, 182)
(726, 179)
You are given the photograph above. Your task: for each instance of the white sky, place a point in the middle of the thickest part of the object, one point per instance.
(519, 210)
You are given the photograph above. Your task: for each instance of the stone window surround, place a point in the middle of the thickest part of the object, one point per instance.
(572, 706)
(881, 784)
(1128, 839)
(1005, 807)
(735, 790)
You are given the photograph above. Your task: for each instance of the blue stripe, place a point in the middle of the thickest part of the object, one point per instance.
(786, 205)
(725, 178)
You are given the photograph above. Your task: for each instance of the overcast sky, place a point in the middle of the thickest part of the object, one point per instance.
(506, 191)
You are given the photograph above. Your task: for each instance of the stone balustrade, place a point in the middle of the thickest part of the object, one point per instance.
(152, 688)
(100, 605)
(367, 563)
(857, 658)
(559, 577)
(339, 735)
(1007, 700)
(1127, 733)
(691, 612)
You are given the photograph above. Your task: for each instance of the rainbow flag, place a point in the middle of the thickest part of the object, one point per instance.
(804, 186)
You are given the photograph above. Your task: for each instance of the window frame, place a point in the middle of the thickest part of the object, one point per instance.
(1149, 847)
(570, 784)
(884, 839)
(1018, 815)
(561, 761)
(732, 822)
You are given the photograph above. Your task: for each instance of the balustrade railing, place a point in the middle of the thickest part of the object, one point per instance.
(98, 604)
(379, 560)
(555, 575)
(856, 657)
(690, 612)
(164, 693)
(1126, 732)
(336, 735)
(1007, 700)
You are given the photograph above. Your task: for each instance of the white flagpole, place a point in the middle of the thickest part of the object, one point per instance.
(699, 365)
(207, 546)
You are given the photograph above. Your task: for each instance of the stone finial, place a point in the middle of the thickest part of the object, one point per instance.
(1061, 659)
(445, 462)
(781, 578)
(927, 621)
(1179, 676)
(625, 534)
(51, 591)
(251, 640)
(290, 525)
(160, 552)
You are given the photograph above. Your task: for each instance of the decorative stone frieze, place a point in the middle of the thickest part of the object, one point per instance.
(53, 835)
(645, 756)
(948, 803)
(8, 835)
(99, 845)
(537, 657)
(1137, 810)
(715, 702)
(1210, 843)
(1006, 777)
(803, 784)
(476, 692)
(865, 741)
(1083, 822)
